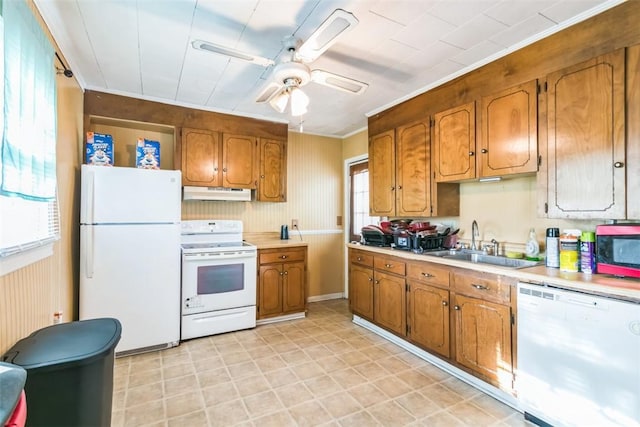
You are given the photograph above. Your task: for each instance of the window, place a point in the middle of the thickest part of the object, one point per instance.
(28, 206)
(359, 176)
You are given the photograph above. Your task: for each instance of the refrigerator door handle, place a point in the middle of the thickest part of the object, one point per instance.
(88, 244)
(90, 197)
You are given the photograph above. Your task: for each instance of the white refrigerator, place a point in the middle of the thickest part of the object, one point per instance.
(130, 253)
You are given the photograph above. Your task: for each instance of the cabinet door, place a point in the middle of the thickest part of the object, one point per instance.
(382, 181)
(272, 182)
(390, 302)
(361, 291)
(483, 338)
(509, 141)
(293, 289)
(413, 179)
(586, 145)
(200, 153)
(239, 161)
(270, 302)
(455, 143)
(429, 317)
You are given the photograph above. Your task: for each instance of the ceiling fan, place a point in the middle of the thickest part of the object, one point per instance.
(292, 72)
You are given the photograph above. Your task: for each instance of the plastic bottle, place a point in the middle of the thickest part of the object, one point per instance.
(553, 247)
(587, 252)
(570, 250)
(533, 248)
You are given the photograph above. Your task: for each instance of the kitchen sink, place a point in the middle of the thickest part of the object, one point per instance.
(483, 258)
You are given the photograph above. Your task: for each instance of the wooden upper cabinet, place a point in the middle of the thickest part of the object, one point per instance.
(586, 139)
(509, 137)
(239, 161)
(455, 143)
(272, 180)
(382, 181)
(200, 157)
(413, 173)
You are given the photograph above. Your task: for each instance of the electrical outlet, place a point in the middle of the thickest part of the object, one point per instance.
(294, 224)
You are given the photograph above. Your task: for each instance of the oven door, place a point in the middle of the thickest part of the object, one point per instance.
(218, 280)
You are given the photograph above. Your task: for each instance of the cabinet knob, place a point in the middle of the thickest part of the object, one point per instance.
(371, 279)
(377, 282)
(283, 257)
(484, 151)
(480, 287)
(359, 258)
(224, 169)
(286, 273)
(282, 273)
(471, 153)
(215, 169)
(393, 188)
(399, 187)
(427, 274)
(618, 164)
(456, 307)
(444, 303)
(262, 176)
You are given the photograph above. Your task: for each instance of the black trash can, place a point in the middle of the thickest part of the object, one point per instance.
(69, 372)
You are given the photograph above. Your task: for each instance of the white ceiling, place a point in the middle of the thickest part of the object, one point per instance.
(143, 49)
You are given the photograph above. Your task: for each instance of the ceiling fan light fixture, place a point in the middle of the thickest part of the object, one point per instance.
(299, 101)
(279, 102)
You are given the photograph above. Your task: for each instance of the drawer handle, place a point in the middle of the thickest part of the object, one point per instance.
(444, 303)
(283, 257)
(388, 265)
(427, 275)
(480, 287)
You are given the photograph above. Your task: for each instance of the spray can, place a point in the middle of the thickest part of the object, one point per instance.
(553, 247)
(570, 250)
(587, 252)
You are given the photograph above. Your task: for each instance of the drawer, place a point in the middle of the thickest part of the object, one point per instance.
(490, 287)
(426, 272)
(361, 257)
(389, 264)
(269, 256)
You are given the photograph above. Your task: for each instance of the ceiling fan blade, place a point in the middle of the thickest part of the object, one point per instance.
(336, 81)
(337, 24)
(233, 53)
(268, 92)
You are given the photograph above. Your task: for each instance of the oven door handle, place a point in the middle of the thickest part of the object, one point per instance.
(220, 256)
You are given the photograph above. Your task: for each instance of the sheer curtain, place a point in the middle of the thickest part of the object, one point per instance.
(28, 205)
(28, 155)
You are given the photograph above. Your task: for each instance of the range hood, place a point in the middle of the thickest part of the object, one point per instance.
(216, 193)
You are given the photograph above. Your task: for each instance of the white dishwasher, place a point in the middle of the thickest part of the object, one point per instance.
(578, 358)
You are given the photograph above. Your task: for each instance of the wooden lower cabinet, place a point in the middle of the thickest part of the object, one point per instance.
(389, 302)
(361, 291)
(428, 313)
(463, 316)
(281, 281)
(483, 339)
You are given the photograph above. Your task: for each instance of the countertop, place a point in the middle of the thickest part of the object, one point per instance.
(601, 284)
(272, 240)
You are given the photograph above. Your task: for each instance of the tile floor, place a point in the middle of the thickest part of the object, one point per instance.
(319, 371)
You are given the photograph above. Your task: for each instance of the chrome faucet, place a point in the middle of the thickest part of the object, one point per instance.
(474, 233)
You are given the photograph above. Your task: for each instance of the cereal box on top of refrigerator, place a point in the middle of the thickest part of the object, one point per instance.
(148, 154)
(99, 149)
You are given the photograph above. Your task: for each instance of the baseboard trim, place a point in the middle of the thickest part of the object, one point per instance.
(325, 297)
(282, 318)
(492, 391)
